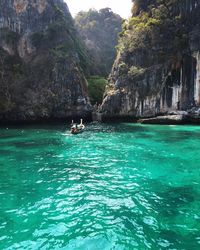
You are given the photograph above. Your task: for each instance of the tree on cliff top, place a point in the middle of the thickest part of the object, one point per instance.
(99, 30)
(157, 24)
(145, 5)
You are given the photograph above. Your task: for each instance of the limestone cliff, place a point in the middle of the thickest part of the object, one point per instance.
(41, 62)
(157, 70)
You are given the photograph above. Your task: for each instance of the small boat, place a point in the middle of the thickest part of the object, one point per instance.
(77, 128)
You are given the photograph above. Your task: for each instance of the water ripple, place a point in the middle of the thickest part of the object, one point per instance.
(112, 187)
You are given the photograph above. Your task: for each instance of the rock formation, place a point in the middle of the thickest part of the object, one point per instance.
(157, 70)
(41, 62)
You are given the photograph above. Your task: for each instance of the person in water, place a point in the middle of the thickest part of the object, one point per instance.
(75, 128)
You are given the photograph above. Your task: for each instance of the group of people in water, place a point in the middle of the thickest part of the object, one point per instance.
(77, 128)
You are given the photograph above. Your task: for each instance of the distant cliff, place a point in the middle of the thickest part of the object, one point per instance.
(157, 70)
(41, 62)
(99, 30)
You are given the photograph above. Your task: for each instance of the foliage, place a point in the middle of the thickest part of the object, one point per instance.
(123, 68)
(38, 38)
(135, 72)
(154, 24)
(9, 36)
(50, 35)
(96, 88)
(60, 51)
(99, 30)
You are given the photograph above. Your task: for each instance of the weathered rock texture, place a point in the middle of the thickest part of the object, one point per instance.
(41, 62)
(157, 70)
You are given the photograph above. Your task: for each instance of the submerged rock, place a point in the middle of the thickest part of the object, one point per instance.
(41, 62)
(157, 69)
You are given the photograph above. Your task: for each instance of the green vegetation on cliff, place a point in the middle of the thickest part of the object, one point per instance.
(96, 88)
(99, 30)
(157, 26)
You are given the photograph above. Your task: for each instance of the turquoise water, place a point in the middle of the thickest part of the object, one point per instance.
(116, 187)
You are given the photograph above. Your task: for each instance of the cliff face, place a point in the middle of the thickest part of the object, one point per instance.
(157, 70)
(99, 30)
(41, 61)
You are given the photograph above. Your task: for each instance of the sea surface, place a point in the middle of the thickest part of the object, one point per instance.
(113, 187)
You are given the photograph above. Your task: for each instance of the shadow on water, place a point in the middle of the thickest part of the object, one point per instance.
(167, 199)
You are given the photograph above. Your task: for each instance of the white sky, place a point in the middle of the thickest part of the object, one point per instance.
(121, 7)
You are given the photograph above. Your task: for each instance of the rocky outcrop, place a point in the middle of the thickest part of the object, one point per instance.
(157, 70)
(41, 62)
